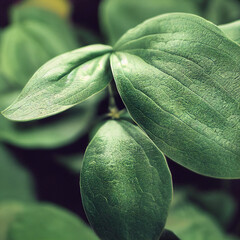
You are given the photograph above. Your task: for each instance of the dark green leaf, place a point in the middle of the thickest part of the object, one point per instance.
(232, 30)
(118, 16)
(16, 183)
(125, 184)
(48, 222)
(62, 83)
(179, 77)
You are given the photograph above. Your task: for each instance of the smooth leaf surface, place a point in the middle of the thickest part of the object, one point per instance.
(16, 183)
(232, 30)
(178, 76)
(48, 222)
(118, 16)
(125, 184)
(62, 83)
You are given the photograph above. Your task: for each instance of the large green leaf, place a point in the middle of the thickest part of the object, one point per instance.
(232, 30)
(178, 75)
(125, 184)
(48, 222)
(118, 16)
(16, 183)
(62, 83)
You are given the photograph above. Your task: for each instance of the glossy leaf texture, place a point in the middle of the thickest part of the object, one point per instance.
(48, 222)
(16, 183)
(178, 76)
(62, 83)
(125, 184)
(118, 16)
(232, 30)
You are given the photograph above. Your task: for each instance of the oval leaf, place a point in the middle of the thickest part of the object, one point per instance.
(62, 83)
(125, 184)
(179, 77)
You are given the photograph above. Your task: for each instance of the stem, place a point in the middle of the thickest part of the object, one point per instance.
(112, 102)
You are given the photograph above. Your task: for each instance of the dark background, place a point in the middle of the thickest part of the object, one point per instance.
(54, 183)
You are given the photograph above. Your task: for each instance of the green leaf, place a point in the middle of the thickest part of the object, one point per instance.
(21, 14)
(125, 184)
(16, 183)
(189, 222)
(178, 76)
(118, 16)
(62, 83)
(221, 11)
(232, 30)
(22, 42)
(53, 132)
(48, 222)
(212, 202)
(8, 213)
(168, 235)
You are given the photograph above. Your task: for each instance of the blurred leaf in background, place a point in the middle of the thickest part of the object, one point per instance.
(118, 16)
(61, 7)
(190, 220)
(39, 221)
(23, 51)
(16, 183)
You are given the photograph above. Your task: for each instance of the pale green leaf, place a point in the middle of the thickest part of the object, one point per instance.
(118, 16)
(232, 30)
(179, 77)
(16, 183)
(125, 184)
(48, 222)
(62, 83)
